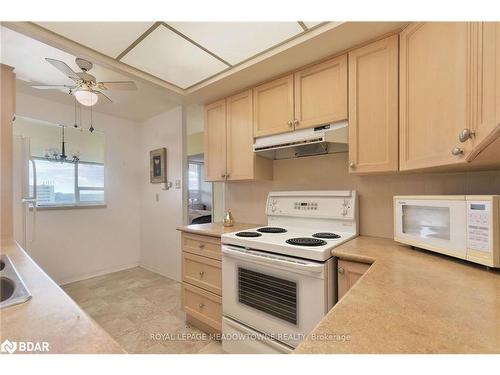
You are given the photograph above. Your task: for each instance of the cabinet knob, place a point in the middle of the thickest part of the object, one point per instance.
(290, 124)
(223, 175)
(465, 135)
(341, 270)
(202, 273)
(227, 175)
(457, 151)
(352, 165)
(201, 305)
(295, 122)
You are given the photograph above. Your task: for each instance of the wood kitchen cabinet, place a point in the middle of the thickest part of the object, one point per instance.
(202, 281)
(348, 274)
(442, 70)
(321, 93)
(313, 96)
(215, 141)
(373, 107)
(229, 152)
(273, 107)
(486, 107)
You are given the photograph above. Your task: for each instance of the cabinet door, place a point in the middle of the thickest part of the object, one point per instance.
(486, 106)
(273, 107)
(321, 93)
(240, 155)
(373, 107)
(435, 93)
(348, 274)
(215, 141)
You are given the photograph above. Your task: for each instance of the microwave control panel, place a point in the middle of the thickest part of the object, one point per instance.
(478, 225)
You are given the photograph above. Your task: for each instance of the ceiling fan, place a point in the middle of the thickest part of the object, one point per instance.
(86, 88)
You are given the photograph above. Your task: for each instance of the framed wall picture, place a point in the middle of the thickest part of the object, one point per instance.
(158, 165)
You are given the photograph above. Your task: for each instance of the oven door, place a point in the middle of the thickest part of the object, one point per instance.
(433, 224)
(274, 294)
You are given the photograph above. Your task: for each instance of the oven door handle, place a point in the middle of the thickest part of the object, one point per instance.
(251, 256)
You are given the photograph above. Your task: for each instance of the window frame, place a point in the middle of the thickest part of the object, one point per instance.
(76, 188)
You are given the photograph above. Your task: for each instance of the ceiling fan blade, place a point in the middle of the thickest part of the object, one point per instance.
(117, 85)
(104, 96)
(63, 67)
(52, 87)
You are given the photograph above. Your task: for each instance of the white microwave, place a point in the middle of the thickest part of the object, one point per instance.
(462, 226)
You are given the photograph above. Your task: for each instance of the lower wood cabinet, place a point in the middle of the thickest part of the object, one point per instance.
(202, 281)
(348, 274)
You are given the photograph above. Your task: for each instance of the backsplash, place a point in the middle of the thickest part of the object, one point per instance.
(329, 172)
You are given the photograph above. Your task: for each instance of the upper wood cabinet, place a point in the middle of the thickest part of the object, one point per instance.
(229, 152)
(313, 96)
(485, 107)
(321, 93)
(439, 74)
(373, 107)
(273, 107)
(215, 141)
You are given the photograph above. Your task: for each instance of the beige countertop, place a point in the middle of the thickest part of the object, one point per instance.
(50, 315)
(215, 229)
(410, 301)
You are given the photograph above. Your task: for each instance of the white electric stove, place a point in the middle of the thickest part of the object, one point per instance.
(279, 280)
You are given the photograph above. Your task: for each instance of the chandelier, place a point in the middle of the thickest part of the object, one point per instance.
(60, 154)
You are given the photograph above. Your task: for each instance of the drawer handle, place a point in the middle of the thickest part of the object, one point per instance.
(201, 246)
(202, 273)
(341, 270)
(201, 305)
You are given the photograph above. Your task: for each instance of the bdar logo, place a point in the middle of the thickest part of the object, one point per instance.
(8, 347)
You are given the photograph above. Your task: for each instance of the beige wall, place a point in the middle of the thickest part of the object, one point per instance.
(329, 172)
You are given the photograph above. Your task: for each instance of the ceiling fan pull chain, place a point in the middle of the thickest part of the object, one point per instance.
(91, 129)
(76, 124)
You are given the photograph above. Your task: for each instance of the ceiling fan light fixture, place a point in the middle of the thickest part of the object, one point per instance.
(86, 97)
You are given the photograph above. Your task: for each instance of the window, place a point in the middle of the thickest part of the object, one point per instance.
(66, 183)
(62, 183)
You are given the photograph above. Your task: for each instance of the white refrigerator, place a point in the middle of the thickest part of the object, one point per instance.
(25, 193)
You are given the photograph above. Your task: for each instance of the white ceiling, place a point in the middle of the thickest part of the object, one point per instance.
(27, 56)
(181, 53)
(238, 41)
(172, 58)
(109, 38)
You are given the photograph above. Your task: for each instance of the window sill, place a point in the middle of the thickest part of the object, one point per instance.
(70, 206)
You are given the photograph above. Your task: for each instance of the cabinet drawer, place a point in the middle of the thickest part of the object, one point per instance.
(202, 305)
(201, 245)
(202, 272)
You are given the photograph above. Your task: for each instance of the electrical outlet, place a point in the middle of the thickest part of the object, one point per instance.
(177, 184)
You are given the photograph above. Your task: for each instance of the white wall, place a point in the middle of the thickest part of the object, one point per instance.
(74, 244)
(162, 210)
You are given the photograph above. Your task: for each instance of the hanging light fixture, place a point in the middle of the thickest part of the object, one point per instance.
(86, 97)
(55, 154)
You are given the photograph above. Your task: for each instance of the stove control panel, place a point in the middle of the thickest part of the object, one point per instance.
(300, 205)
(315, 204)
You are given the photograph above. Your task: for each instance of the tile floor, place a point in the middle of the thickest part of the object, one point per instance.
(134, 304)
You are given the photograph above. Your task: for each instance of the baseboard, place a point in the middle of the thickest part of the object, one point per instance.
(97, 273)
(155, 270)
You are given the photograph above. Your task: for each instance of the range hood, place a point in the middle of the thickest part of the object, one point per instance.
(325, 139)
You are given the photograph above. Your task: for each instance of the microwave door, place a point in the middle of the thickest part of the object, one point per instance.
(437, 225)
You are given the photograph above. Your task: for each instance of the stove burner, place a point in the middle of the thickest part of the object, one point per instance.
(271, 230)
(305, 241)
(248, 234)
(326, 235)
